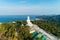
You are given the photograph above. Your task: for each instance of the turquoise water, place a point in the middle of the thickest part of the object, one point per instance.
(43, 38)
(38, 35)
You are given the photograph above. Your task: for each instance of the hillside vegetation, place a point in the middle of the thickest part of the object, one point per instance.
(19, 30)
(49, 26)
(14, 31)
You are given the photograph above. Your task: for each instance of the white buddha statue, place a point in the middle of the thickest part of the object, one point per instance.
(29, 22)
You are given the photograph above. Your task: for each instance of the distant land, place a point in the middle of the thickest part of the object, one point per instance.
(49, 17)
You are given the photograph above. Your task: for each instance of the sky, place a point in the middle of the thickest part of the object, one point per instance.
(29, 7)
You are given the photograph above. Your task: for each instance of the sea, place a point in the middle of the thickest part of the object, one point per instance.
(8, 18)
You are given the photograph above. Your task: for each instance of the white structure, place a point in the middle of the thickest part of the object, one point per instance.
(29, 22)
